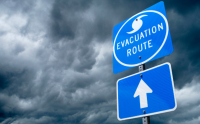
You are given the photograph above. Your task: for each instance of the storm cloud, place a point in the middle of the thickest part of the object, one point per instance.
(56, 60)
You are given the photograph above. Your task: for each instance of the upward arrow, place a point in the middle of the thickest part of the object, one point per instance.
(142, 91)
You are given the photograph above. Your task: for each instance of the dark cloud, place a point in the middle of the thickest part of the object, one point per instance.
(66, 17)
(56, 61)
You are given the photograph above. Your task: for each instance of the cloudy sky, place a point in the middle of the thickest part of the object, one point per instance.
(56, 60)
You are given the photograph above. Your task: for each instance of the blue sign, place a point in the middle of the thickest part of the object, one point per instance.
(153, 92)
(141, 38)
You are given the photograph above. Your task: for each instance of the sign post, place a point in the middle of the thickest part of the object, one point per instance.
(146, 119)
(142, 38)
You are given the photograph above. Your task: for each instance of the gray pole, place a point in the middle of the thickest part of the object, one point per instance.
(145, 120)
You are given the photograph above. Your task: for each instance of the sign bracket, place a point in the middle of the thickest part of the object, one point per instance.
(146, 120)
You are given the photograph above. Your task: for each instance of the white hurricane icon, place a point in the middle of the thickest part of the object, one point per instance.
(137, 24)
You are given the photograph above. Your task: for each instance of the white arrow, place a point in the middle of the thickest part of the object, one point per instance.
(142, 91)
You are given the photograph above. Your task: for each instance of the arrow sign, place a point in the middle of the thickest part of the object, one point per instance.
(153, 92)
(142, 91)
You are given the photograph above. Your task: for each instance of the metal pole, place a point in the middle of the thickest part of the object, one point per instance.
(145, 120)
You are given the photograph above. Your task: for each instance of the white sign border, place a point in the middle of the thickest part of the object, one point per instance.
(169, 110)
(166, 35)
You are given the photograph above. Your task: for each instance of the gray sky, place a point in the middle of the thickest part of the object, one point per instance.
(56, 60)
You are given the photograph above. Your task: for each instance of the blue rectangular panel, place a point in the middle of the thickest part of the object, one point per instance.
(153, 92)
(141, 38)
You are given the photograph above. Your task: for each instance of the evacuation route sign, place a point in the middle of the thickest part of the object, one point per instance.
(153, 92)
(141, 38)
